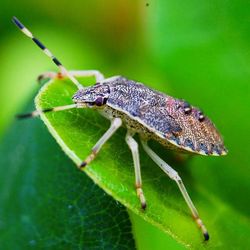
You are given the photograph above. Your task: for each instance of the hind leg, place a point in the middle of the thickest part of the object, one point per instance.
(174, 176)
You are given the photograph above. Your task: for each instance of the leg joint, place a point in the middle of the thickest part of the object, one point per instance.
(138, 185)
(117, 122)
(175, 176)
(133, 145)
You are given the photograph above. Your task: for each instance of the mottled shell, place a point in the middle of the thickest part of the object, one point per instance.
(171, 120)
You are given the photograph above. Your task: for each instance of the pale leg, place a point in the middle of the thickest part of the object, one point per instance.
(133, 145)
(174, 176)
(76, 73)
(115, 124)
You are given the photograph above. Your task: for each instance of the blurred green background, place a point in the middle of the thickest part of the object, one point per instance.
(196, 50)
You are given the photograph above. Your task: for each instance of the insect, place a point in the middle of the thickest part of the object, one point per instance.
(152, 115)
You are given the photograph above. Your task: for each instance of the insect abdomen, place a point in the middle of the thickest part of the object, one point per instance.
(169, 118)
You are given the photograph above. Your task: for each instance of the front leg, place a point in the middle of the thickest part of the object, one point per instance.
(115, 124)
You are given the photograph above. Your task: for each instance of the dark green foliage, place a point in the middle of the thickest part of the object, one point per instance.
(47, 203)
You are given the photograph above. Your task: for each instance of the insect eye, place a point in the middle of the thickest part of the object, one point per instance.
(100, 101)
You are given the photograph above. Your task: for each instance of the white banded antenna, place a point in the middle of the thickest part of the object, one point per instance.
(63, 70)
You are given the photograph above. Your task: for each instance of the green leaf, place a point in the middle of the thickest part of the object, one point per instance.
(78, 130)
(47, 203)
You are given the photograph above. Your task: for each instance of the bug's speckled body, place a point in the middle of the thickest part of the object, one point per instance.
(152, 114)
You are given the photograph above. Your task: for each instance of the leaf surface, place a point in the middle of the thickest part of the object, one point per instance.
(46, 203)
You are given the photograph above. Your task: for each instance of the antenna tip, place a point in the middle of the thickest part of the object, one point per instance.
(17, 22)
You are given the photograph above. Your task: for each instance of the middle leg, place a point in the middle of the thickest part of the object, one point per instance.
(133, 145)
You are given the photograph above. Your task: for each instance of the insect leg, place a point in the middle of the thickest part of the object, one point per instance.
(133, 145)
(97, 74)
(115, 124)
(76, 73)
(48, 75)
(174, 175)
(39, 112)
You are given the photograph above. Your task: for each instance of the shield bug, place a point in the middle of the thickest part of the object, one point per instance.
(152, 115)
